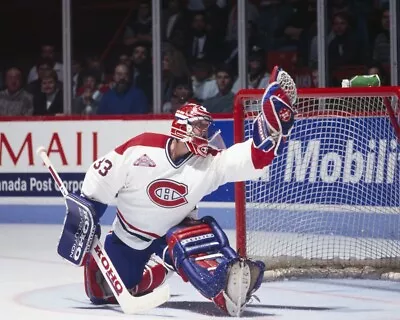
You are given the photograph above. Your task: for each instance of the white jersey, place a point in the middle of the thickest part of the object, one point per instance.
(155, 194)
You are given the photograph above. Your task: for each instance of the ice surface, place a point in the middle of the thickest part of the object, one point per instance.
(35, 283)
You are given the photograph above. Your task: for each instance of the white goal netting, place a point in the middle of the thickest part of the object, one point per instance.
(330, 204)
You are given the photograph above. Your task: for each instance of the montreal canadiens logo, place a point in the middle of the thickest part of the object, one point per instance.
(167, 193)
(285, 114)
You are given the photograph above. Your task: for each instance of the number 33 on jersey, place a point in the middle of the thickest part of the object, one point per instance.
(102, 166)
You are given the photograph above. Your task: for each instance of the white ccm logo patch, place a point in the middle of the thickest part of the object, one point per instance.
(197, 238)
(167, 193)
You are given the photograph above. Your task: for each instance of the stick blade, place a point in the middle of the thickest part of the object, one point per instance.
(134, 305)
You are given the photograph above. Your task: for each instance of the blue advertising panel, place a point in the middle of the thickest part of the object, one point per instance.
(323, 164)
(320, 158)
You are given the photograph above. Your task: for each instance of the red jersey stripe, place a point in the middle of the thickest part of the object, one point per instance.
(155, 140)
(136, 229)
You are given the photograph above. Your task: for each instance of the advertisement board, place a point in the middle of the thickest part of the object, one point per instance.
(72, 147)
(307, 165)
(323, 164)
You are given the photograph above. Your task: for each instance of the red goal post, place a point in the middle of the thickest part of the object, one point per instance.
(323, 203)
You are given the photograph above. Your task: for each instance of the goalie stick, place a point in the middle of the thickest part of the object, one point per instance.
(128, 303)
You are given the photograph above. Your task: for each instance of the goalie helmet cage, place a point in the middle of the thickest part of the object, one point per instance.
(329, 206)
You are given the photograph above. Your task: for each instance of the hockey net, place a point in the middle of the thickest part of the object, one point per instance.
(329, 206)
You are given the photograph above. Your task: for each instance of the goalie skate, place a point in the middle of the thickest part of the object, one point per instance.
(243, 280)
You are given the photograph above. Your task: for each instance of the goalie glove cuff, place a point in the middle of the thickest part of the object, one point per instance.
(262, 138)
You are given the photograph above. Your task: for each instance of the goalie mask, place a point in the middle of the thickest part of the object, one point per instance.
(193, 125)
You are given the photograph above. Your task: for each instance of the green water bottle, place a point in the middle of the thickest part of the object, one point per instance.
(372, 80)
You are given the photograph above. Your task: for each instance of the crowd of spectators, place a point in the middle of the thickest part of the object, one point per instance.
(199, 56)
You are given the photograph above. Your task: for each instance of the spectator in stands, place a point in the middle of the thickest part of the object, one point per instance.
(357, 12)
(174, 19)
(357, 23)
(199, 5)
(204, 83)
(14, 100)
(381, 51)
(90, 81)
(178, 39)
(125, 59)
(95, 67)
(232, 30)
(230, 55)
(300, 28)
(314, 78)
(313, 52)
(200, 43)
(223, 101)
(140, 28)
(50, 100)
(182, 93)
(142, 75)
(47, 52)
(89, 96)
(274, 15)
(258, 77)
(43, 66)
(375, 67)
(123, 98)
(76, 75)
(344, 49)
(173, 67)
(217, 19)
(338, 6)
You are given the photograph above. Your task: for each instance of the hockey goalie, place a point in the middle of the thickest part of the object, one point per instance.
(157, 181)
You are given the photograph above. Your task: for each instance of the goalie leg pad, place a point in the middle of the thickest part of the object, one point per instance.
(99, 292)
(154, 275)
(96, 286)
(139, 274)
(244, 278)
(201, 253)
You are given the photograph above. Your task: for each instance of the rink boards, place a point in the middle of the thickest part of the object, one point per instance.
(25, 186)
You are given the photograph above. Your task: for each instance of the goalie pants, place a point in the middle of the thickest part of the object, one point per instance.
(129, 262)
